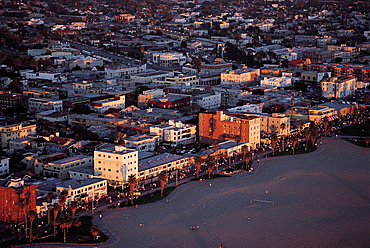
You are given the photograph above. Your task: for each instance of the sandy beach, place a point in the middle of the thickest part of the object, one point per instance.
(321, 199)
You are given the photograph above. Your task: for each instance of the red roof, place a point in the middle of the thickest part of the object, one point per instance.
(295, 62)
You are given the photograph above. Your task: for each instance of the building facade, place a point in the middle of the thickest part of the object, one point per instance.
(116, 164)
(338, 87)
(11, 194)
(104, 105)
(36, 105)
(220, 126)
(16, 131)
(239, 76)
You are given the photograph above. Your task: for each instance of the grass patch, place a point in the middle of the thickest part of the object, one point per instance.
(205, 177)
(77, 235)
(301, 149)
(361, 130)
(145, 199)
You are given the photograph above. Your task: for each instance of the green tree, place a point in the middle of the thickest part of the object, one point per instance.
(94, 231)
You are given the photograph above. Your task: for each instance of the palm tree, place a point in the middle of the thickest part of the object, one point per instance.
(307, 133)
(325, 123)
(21, 204)
(162, 181)
(73, 206)
(294, 140)
(62, 198)
(282, 127)
(32, 215)
(94, 231)
(245, 151)
(367, 141)
(198, 160)
(76, 222)
(273, 139)
(210, 163)
(65, 221)
(56, 209)
(50, 196)
(132, 182)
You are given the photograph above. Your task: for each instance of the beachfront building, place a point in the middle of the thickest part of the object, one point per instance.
(220, 126)
(151, 167)
(116, 163)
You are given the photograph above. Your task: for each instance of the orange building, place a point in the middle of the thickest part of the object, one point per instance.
(220, 126)
(16, 198)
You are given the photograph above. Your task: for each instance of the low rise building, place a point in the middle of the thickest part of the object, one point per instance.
(338, 87)
(116, 163)
(36, 105)
(142, 142)
(239, 76)
(208, 101)
(60, 168)
(4, 165)
(153, 166)
(16, 131)
(11, 191)
(175, 133)
(87, 189)
(167, 58)
(104, 105)
(220, 126)
(276, 82)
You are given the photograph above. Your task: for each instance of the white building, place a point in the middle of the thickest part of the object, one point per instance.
(248, 108)
(84, 189)
(276, 82)
(15, 131)
(208, 101)
(142, 142)
(116, 163)
(144, 97)
(151, 167)
(123, 72)
(4, 165)
(60, 168)
(175, 133)
(338, 87)
(36, 105)
(104, 105)
(48, 76)
(239, 76)
(168, 59)
(179, 79)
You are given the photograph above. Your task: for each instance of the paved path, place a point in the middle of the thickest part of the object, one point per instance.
(322, 199)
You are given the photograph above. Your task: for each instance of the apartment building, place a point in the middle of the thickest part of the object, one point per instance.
(116, 163)
(59, 168)
(239, 76)
(4, 165)
(276, 82)
(16, 131)
(37, 105)
(104, 105)
(121, 72)
(220, 126)
(275, 122)
(208, 101)
(87, 189)
(167, 58)
(151, 167)
(10, 193)
(338, 87)
(142, 142)
(175, 133)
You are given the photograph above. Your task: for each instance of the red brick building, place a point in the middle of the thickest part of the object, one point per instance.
(222, 126)
(170, 102)
(9, 100)
(13, 200)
